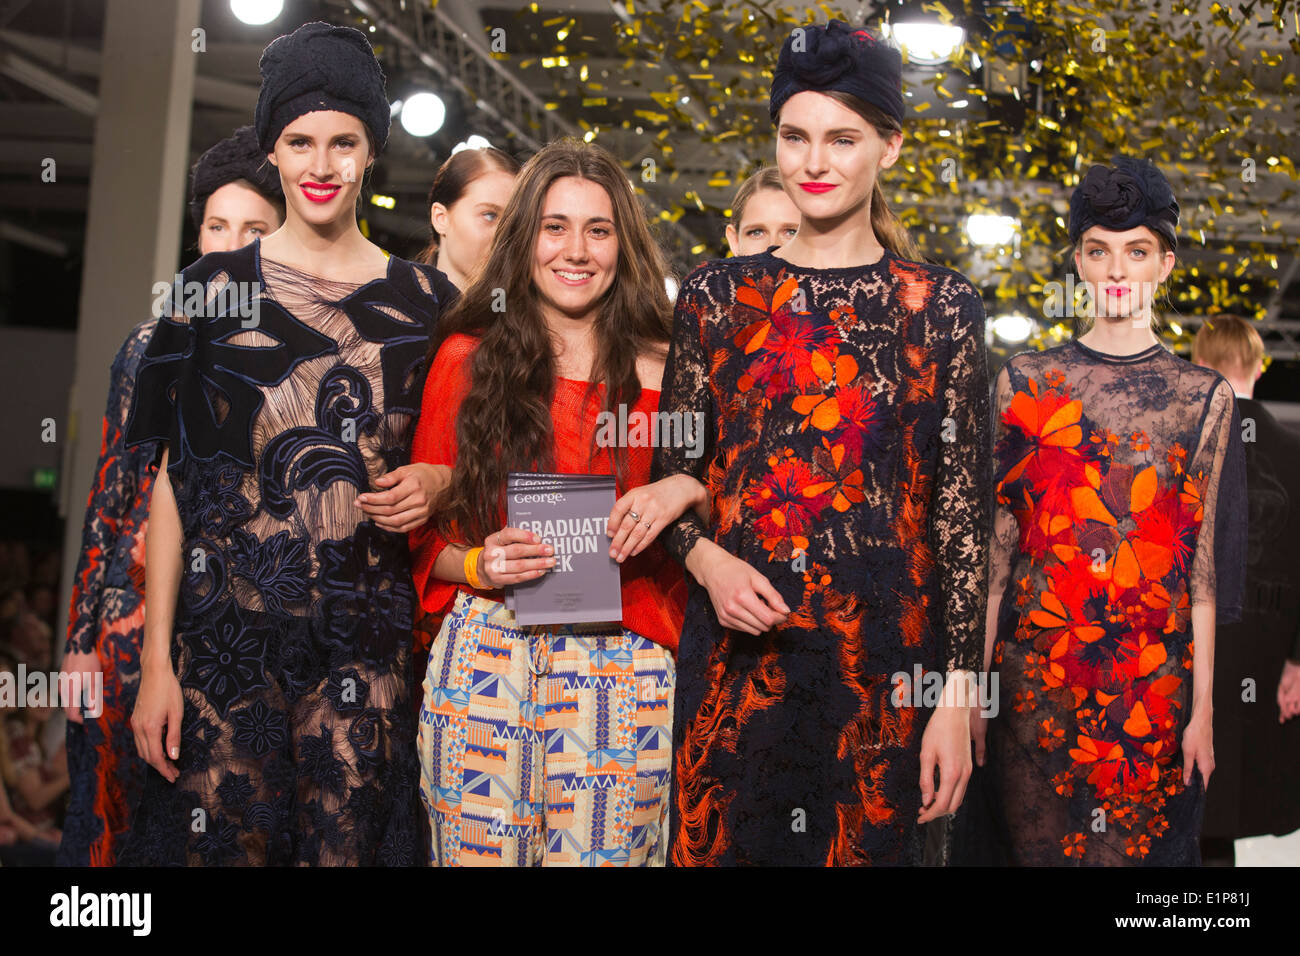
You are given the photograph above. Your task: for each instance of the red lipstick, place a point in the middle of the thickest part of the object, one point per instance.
(323, 192)
(814, 187)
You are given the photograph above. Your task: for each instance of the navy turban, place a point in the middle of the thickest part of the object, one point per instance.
(320, 67)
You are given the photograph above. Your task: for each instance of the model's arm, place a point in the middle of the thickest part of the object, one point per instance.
(959, 510)
(1218, 565)
(156, 720)
(112, 497)
(742, 597)
(1006, 531)
(686, 396)
(958, 533)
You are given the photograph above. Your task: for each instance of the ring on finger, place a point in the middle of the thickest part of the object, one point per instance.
(635, 516)
(649, 524)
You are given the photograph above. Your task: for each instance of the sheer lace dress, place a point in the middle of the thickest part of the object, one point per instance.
(846, 457)
(293, 628)
(1119, 505)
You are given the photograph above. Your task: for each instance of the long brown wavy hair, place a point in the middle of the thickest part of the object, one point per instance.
(504, 422)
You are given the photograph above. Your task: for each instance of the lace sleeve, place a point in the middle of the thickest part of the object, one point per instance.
(687, 397)
(112, 494)
(959, 514)
(1217, 476)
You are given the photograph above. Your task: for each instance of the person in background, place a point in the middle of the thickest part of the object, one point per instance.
(235, 197)
(235, 194)
(1257, 670)
(22, 843)
(465, 203)
(762, 215)
(469, 191)
(33, 781)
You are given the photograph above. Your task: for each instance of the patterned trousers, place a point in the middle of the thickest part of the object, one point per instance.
(544, 746)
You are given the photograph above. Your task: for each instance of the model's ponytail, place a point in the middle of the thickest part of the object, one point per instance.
(893, 235)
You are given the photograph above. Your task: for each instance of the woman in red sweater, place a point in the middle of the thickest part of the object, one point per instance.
(550, 745)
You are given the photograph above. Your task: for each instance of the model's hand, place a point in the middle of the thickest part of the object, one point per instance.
(1288, 692)
(407, 496)
(1198, 747)
(156, 720)
(639, 516)
(743, 599)
(78, 671)
(513, 556)
(945, 744)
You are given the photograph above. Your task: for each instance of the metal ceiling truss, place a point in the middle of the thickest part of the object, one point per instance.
(464, 63)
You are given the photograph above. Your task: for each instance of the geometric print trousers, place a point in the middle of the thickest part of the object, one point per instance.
(545, 745)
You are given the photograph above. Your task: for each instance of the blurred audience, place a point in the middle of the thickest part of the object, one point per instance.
(33, 760)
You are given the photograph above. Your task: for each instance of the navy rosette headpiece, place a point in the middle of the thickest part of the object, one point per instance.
(837, 57)
(1129, 193)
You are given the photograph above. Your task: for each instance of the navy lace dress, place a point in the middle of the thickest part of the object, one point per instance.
(281, 398)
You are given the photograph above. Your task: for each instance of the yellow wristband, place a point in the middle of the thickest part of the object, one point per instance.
(471, 568)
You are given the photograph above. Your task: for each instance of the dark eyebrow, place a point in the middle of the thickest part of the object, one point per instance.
(790, 127)
(1132, 242)
(294, 134)
(562, 216)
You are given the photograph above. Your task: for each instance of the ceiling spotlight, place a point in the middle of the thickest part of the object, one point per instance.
(256, 12)
(928, 43)
(1013, 328)
(422, 114)
(991, 230)
(474, 142)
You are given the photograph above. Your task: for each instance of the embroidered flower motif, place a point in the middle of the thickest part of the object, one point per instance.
(258, 729)
(228, 659)
(784, 513)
